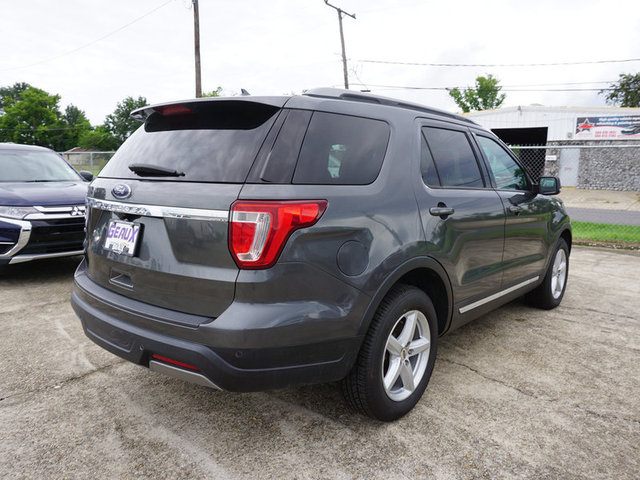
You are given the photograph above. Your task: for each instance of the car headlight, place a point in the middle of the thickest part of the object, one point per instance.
(16, 212)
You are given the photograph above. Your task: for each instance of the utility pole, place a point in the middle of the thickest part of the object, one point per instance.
(196, 34)
(344, 55)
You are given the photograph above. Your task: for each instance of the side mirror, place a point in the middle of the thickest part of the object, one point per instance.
(88, 176)
(549, 185)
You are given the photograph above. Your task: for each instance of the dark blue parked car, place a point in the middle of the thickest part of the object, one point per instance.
(42, 205)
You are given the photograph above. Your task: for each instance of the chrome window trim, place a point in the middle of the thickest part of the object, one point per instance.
(495, 296)
(160, 211)
(23, 238)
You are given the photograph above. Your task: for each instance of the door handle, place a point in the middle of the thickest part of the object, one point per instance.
(515, 209)
(441, 211)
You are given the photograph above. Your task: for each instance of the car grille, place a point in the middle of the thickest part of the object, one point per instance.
(56, 230)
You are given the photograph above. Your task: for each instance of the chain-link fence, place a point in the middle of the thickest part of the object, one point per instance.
(601, 187)
(90, 161)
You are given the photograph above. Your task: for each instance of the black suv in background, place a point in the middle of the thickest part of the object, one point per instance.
(257, 242)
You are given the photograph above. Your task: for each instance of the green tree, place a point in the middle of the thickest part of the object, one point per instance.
(213, 93)
(119, 123)
(98, 139)
(484, 96)
(11, 94)
(32, 118)
(625, 92)
(75, 123)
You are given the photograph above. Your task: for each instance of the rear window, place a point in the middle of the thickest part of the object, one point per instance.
(208, 142)
(341, 150)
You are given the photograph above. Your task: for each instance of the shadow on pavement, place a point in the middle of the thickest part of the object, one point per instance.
(40, 270)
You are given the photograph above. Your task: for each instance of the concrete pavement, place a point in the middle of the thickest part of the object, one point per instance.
(520, 393)
(600, 199)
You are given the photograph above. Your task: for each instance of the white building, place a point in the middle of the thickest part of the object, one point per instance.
(537, 124)
(597, 147)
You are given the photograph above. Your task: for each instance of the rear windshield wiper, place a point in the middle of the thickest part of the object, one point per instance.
(146, 170)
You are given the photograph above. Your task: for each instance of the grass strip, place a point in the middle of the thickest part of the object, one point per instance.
(606, 232)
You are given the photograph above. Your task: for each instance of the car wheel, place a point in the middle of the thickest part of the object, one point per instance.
(549, 293)
(397, 356)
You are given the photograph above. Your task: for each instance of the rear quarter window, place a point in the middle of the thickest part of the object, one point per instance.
(341, 150)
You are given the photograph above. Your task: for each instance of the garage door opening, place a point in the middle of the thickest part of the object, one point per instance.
(533, 159)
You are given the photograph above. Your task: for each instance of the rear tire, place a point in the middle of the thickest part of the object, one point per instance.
(549, 293)
(397, 356)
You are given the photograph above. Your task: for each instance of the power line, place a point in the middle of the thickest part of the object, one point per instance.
(404, 87)
(389, 62)
(42, 129)
(90, 43)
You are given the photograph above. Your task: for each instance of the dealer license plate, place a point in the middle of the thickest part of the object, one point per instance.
(122, 237)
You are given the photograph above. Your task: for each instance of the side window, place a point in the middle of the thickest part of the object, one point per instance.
(427, 167)
(453, 156)
(507, 174)
(341, 150)
(278, 156)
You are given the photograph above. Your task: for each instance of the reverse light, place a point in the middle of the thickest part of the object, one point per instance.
(259, 230)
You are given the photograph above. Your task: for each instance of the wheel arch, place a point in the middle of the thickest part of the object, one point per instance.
(567, 236)
(424, 273)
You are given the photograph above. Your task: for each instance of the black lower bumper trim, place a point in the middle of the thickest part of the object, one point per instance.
(137, 345)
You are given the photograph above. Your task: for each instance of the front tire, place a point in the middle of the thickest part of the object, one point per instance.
(397, 356)
(550, 292)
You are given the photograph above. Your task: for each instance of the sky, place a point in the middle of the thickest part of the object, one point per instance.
(94, 53)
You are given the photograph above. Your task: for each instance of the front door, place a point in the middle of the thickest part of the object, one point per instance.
(526, 215)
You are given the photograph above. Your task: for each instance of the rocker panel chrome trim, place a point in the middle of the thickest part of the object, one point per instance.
(495, 296)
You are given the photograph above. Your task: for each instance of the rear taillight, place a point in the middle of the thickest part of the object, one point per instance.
(260, 229)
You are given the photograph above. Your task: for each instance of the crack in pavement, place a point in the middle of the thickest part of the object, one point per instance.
(594, 310)
(63, 382)
(524, 392)
(602, 416)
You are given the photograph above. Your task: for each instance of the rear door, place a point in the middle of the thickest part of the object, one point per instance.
(462, 216)
(159, 210)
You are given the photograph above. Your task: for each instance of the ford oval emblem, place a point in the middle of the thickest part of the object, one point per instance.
(122, 190)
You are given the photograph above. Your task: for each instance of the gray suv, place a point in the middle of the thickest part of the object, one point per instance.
(251, 243)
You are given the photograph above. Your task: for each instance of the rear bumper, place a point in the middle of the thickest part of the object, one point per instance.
(224, 357)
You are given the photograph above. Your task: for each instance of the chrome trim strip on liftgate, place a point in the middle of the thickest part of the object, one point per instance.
(160, 210)
(182, 374)
(495, 296)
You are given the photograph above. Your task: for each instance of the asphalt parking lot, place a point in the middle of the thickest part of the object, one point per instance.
(520, 393)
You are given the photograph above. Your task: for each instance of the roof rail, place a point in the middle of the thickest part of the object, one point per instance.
(339, 94)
